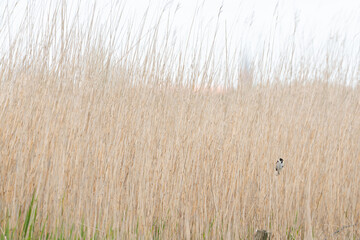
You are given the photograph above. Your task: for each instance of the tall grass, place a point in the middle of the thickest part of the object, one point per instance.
(138, 145)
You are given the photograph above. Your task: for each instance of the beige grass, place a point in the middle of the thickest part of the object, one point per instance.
(149, 158)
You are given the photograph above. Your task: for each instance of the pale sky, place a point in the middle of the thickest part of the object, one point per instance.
(248, 23)
(316, 18)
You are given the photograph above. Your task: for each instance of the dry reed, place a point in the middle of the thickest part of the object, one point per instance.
(129, 150)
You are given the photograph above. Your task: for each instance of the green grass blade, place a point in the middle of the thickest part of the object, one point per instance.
(28, 216)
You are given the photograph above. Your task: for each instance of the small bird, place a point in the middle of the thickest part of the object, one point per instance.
(279, 165)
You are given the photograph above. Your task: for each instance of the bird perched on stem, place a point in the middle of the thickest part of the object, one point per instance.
(279, 165)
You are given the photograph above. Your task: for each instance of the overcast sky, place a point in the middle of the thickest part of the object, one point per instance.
(246, 24)
(315, 18)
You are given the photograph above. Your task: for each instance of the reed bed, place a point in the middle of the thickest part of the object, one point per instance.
(94, 145)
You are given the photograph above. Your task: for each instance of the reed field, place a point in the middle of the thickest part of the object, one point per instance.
(142, 144)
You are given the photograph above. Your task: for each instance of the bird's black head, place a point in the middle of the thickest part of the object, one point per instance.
(281, 160)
